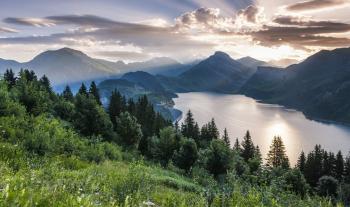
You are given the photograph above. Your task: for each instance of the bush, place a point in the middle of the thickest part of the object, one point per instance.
(327, 186)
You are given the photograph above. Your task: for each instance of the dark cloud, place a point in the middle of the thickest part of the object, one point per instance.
(315, 4)
(301, 33)
(250, 13)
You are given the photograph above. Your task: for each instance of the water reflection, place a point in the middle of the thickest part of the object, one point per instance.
(239, 113)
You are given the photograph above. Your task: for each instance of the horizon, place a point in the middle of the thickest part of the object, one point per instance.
(184, 31)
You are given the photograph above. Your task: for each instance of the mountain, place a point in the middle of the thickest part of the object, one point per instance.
(156, 66)
(251, 62)
(145, 80)
(135, 84)
(218, 73)
(319, 86)
(65, 66)
(7, 64)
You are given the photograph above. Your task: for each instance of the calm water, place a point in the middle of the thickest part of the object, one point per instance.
(239, 113)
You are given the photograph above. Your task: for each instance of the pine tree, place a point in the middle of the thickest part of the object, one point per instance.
(339, 166)
(277, 157)
(237, 146)
(115, 107)
(189, 128)
(226, 138)
(213, 130)
(83, 90)
(46, 83)
(347, 169)
(248, 148)
(94, 91)
(67, 94)
(314, 166)
(301, 162)
(10, 78)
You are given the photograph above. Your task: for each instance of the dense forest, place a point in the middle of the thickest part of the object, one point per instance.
(68, 150)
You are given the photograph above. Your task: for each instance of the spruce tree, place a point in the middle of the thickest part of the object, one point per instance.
(301, 162)
(248, 148)
(190, 128)
(237, 146)
(314, 166)
(213, 130)
(93, 90)
(10, 78)
(226, 138)
(67, 94)
(276, 156)
(46, 83)
(339, 166)
(115, 106)
(83, 90)
(347, 169)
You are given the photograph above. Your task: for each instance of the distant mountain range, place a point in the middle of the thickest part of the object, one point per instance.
(65, 66)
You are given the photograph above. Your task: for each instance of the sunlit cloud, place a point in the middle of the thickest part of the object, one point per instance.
(316, 5)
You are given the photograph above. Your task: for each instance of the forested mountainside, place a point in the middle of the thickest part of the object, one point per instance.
(67, 150)
(318, 86)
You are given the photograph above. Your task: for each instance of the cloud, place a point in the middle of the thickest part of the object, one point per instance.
(7, 30)
(37, 22)
(302, 33)
(250, 13)
(203, 19)
(315, 4)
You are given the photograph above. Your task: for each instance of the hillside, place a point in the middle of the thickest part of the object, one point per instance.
(136, 84)
(318, 86)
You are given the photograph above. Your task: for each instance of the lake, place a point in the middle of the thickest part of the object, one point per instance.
(239, 113)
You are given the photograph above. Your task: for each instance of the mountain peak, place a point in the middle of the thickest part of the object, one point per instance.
(221, 54)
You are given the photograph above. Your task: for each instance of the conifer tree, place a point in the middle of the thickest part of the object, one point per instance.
(213, 130)
(83, 90)
(93, 90)
(67, 94)
(257, 153)
(226, 138)
(46, 83)
(189, 128)
(339, 166)
(248, 148)
(276, 156)
(301, 162)
(115, 106)
(314, 166)
(10, 78)
(347, 169)
(237, 146)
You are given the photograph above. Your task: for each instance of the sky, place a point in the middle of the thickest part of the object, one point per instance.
(186, 30)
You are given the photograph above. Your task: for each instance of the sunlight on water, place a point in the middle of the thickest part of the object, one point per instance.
(238, 113)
